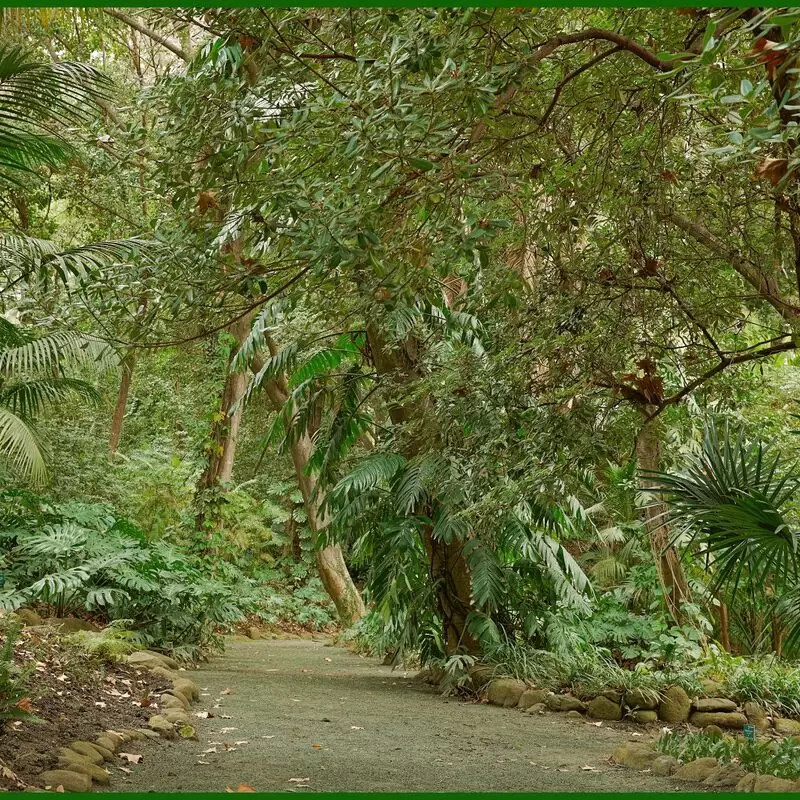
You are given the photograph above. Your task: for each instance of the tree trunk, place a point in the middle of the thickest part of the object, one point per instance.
(128, 363)
(724, 627)
(330, 561)
(225, 430)
(670, 571)
(448, 567)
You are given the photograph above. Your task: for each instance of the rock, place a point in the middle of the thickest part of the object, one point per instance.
(635, 755)
(613, 695)
(769, 783)
(107, 743)
(531, 697)
(536, 708)
(144, 659)
(88, 750)
(187, 732)
(189, 689)
(603, 708)
(161, 726)
(147, 734)
(505, 692)
(726, 775)
(174, 701)
(644, 716)
(135, 735)
(564, 702)
(711, 687)
(69, 624)
(675, 705)
(664, 765)
(697, 770)
(787, 727)
(117, 737)
(253, 633)
(107, 755)
(175, 716)
(480, 675)
(97, 774)
(575, 715)
(733, 719)
(641, 698)
(747, 783)
(169, 662)
(715, 704)
(71, 781)
(67, 755)
(714, 732)
(757, 716)
(163, 672)
(29, 617)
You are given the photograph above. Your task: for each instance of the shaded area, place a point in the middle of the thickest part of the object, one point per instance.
(376, 730)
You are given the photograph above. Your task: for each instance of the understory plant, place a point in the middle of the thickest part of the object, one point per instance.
(767, 757)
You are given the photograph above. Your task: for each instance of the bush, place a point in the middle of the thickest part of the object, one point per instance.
(82, 557)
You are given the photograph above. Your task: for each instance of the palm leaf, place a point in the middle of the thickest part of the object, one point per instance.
(19, 446)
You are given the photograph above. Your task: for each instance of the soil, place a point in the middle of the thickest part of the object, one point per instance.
(75, 695)
(304, 716)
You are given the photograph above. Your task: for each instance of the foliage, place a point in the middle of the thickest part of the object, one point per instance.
(768, 757)
(78, 557)
(12, 680)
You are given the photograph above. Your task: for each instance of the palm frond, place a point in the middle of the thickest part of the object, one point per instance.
(28, 398)
(19, 446)
(49, 352)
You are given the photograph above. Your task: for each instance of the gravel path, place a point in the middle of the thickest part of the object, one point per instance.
(301, 709)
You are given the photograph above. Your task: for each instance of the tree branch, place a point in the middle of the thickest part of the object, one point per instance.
(172, 46)
(765, 285)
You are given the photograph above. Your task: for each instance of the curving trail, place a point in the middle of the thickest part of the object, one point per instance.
(301, 709)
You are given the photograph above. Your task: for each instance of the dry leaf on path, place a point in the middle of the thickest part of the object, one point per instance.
(243, 787)
(299, 780)
(242, 741)
(204, 714)
(131, 758)
(227, 691)
(328, 660)
(587, 768)
(125, 769)
(210, 750)
(355, 728)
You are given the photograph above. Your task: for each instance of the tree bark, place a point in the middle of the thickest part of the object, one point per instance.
(225, 430)
(670, 571)
(330, 561)
(128, 364)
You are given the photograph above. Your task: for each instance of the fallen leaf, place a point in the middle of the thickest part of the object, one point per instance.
(131, 758)
(62, 678)
(125, 769)
(328, 660)
(317, 746)
(597, 724)
(60, 788)
(355, 728)
(210, 750)
(204, 714)
(299, 780)
(227, 691)
(587, 768)
(25, 705)
(202, 762)
(100, 704)
(268, 737)
(243, 787)
(242, 741)
(227, 730)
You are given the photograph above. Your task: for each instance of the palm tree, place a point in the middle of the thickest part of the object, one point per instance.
(33, 377)
(38, 102)
(733, 505)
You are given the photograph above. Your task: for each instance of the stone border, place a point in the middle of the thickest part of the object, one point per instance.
(708, 772)
(673, 706)
(80, 764)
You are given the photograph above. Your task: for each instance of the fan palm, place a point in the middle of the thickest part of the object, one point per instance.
(32, 377)
(733, 504)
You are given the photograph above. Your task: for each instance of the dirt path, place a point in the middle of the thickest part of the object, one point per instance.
(300, 709)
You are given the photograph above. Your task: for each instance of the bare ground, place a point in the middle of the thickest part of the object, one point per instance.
(304, 710)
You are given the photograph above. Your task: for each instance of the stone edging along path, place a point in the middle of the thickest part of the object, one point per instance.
(674, 706)
(80, 764)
